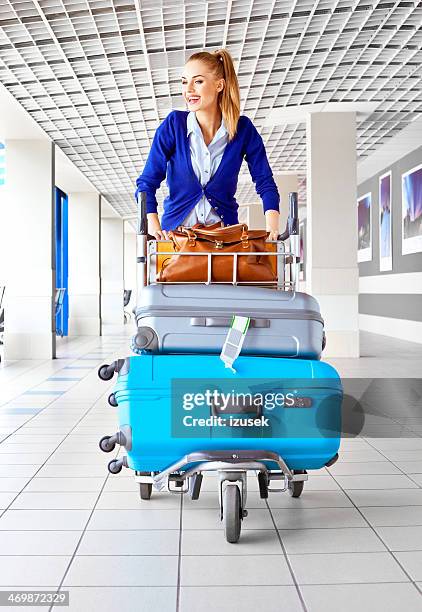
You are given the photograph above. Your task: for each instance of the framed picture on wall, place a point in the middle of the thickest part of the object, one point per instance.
(364, 228)
(412, 210)
(385, 238)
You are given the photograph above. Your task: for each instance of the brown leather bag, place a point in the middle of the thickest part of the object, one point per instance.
(217, 239)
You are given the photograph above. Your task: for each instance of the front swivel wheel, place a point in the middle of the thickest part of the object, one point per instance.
(232, 513)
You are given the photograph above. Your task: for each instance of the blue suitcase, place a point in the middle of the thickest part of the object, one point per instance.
(158, 425)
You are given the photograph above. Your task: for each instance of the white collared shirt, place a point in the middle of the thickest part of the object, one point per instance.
(205, 161)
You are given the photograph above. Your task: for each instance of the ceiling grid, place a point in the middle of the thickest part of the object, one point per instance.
(100, 75)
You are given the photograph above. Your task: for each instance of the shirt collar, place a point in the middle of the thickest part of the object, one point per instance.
(192, 126)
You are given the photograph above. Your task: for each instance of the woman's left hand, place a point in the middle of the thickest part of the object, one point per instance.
(272, 218)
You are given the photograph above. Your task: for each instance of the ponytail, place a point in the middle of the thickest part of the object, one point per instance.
(221, 63)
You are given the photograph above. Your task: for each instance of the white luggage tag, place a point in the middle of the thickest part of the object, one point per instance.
(234, 341)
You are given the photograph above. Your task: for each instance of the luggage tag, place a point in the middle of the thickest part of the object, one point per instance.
(234, 341)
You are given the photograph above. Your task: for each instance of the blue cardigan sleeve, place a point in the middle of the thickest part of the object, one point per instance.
(155, 168)
(260, 169)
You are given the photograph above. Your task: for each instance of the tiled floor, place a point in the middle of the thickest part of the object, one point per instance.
(352, 542)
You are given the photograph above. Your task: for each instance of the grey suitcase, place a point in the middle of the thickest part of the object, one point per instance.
(196, 319)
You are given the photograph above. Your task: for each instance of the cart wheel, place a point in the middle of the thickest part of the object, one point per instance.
(195, 486)
(263, 485)
(145, 490)
(295, 488)
(105, 444)
(231, 513)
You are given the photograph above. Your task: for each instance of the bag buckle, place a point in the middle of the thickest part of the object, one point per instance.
(219, 244)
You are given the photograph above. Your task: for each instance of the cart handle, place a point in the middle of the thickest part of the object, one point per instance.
(292, 225)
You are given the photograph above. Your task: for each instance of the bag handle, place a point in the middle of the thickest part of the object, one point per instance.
(190, 234)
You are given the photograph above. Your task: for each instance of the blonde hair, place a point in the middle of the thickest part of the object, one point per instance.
(221, 63)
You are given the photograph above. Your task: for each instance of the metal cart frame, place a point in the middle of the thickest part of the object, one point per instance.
(232, 466)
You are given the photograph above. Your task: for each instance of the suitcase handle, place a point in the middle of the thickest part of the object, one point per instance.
(241, 410)
(225, 322)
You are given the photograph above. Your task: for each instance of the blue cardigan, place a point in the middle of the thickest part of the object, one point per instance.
(170, 155)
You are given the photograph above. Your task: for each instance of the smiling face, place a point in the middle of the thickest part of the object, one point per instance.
(200, 86)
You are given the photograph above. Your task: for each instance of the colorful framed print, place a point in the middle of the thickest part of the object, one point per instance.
(364, 228)
(385, 224)
(412, 211)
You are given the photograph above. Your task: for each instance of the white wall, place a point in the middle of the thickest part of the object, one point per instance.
(27, 237)
(130, 264)
(84, 263)
(111, 275)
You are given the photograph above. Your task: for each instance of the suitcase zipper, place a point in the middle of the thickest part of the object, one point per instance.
(307, 315)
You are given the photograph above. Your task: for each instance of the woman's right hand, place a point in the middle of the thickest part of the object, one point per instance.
(154, 227)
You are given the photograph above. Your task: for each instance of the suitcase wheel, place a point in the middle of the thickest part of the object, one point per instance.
(112, 400)
(115, 466)
(295, 488)
(104, 373)
(105, 444)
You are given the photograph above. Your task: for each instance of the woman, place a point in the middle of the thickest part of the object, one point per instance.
(201, 151)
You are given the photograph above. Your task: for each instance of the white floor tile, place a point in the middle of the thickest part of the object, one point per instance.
(210, 519)
(310, 499)
(236, 570)
(23, 458)
(126, 500)
(61, 471)
(343, 568)
(212, 542)
(6, 498)
(359, 456)
(123, 571)
(362, 468)
(134, 519)
(350, 540)
(380, 481)
(412, 563)
(43, 543)
(394, 516)
(410, 467)
(47, 520)
(55, 501)
(246, 598)
(401, 538)
(66, 483)
(13, 483)
(399, 497)
(379, 597)
(123, 599)
(417, 478)
(18, 471)
(318, 518)
(40, 571)
(141, 542)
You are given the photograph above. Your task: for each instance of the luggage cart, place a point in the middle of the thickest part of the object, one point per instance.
(232, 466)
